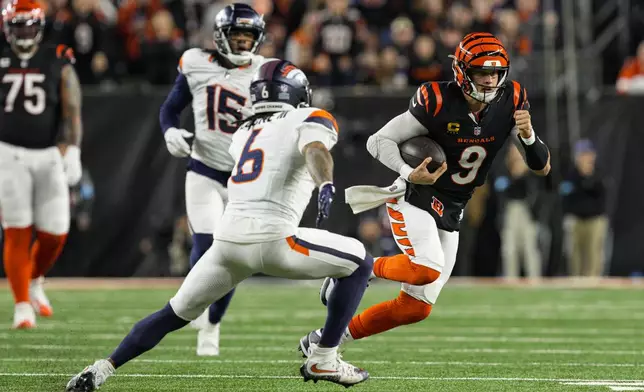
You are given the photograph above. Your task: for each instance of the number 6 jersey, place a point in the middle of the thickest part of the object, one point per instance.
(470, 142)
(30, 95)
(217, 95)
(270, 185)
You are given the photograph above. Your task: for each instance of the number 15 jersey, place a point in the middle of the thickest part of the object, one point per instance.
(217, 95)
(270, 185)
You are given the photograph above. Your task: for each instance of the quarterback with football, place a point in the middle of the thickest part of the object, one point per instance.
(41, 95)
(470, 118)
(216, 84)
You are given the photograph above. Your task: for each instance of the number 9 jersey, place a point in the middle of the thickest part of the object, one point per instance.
(218, 94)
(31, 98)
(470, 142)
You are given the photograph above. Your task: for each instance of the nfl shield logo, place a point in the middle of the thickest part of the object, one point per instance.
(477, 130)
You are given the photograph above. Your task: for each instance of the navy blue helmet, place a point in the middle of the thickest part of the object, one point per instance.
(238, 17)
(279, 85)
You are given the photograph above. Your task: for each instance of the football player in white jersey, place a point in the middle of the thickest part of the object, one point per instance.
(282, 155)
(216, 83)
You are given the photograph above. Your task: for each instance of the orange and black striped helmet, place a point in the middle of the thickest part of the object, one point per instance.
(23, 22)
(480, 51)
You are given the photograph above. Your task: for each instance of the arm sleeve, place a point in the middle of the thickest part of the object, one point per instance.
(179, 97)
(383, 145)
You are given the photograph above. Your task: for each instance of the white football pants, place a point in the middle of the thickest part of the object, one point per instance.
(309, 254)
(33, 189)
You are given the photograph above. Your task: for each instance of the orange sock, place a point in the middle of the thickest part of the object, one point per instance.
(400, 268)
(45, 252)
(17, 263)
(387, 315)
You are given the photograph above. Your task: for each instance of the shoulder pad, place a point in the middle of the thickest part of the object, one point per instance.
(428, 99)
(190, 57)
(322, 117)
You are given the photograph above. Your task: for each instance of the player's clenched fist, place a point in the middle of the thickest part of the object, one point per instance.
(422, 176)
(523, 122)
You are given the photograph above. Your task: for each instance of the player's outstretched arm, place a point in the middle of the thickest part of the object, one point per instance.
(383, 145)
(536, 153)
(71, 97)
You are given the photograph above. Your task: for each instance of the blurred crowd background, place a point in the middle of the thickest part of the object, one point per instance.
(570, 51)
(392, 43)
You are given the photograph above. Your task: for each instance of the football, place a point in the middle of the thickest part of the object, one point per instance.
(416, 149)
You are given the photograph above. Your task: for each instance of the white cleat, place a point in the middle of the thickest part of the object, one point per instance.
(208, 340)
(331, 368)
(39, 300)
(91, 378)
(24, 316)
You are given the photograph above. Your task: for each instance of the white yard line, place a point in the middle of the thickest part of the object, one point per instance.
(409, 331)
(291, 348)
(260, 377)
(292, 361)
(390, 338)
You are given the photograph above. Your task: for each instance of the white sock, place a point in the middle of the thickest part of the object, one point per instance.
(325, 353)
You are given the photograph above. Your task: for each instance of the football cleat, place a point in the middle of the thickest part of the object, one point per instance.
(208, 340)
(91, 378)
(39, 300)
(332, 369)
(24, 316)
(307, 341)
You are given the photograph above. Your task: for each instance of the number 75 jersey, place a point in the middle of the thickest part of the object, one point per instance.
(31, 97)
(217, 95)
(470, 143)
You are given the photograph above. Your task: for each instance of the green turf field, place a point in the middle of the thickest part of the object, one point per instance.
(478, 338)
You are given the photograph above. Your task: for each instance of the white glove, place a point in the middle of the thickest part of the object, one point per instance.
(175, 140)
(73, 166)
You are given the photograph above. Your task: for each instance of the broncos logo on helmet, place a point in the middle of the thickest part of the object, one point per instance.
(230, 23)
(480, 52)
(279, 85)
(23, 23)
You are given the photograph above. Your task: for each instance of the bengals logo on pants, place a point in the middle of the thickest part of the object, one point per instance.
(437, 206)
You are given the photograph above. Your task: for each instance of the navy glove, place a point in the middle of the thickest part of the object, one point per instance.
(325, 198)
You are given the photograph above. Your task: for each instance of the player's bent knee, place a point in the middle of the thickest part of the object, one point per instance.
(187, 310)
(410, 309)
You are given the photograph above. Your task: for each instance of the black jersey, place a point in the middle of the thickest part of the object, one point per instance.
(470, 144)
(30, 97)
